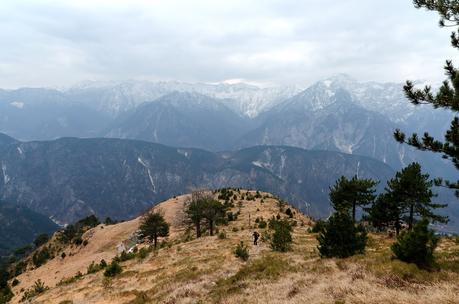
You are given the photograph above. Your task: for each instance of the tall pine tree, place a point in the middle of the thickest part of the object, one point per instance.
(347, 194)
(447, 96)
(411, 190)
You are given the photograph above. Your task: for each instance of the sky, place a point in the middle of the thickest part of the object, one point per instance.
(265, 42)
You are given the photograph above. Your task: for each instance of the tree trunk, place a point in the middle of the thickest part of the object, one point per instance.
(211, 227)
(410, 221)
(198, 229)
(353, 212)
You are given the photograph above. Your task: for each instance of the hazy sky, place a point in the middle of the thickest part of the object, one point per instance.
(59, 43)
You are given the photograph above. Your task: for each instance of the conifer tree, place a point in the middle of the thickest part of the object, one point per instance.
(417, 246)
(341, 238)
(347, 194)
(447, 97)
(213, 210)
(385, 213)
(411, 190)
(153, 226)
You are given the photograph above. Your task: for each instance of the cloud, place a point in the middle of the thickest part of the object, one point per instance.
(58, 43)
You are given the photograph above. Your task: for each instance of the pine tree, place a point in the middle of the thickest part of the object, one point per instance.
(282, 237)
(417, 246)
(212, 211)
(341, 238)
(347, 194)
(412, 192)
(385, 213)
(153, 226)
(447, 96)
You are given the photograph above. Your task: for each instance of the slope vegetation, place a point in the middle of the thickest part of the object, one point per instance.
(205, 270)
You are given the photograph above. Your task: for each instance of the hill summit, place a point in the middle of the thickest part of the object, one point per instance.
(186, 269)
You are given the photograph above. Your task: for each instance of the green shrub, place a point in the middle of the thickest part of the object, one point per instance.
(144, 252)
(341, 238)
(113, 269)
(39, 287)
(319, 226)
(289, 212)
(125, 256)
(281, 239)
(241, 251)
(41, 257)
(41, 239)
(262, 224)
(417, 246)
(15, 282)
(222, 235)
(93, 267)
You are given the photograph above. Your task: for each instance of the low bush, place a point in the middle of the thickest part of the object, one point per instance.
(417, 246)
(113, 269)
(241, 251)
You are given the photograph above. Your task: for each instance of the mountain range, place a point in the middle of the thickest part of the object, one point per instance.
(69, 178)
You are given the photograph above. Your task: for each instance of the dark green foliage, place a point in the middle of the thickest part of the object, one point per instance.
(40, 257)
(113, 269)
(446, 97)
(262, 224)
(143, 252)
(15, 282)
(341, 238)
(39, 286)
(225, 194)
(41, 239)
(63, 255)
(417, 246)
(24, 250)
(348, 194)
(203, 207)
(153, 226)
(5, 291)
(319, 226)
(289, 212)
(213, 212)
(281, 239)
(126, 256)
(222, 235)
(73, 233)
(231, 216)
(89, 222)
(384, 213)
(109, 221)
(241, 251)
(18, 228)
(412, 192)
(93, 267)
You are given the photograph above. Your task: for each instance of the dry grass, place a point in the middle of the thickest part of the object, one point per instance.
(206, 270)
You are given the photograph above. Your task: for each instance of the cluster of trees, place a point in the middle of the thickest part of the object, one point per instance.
(203, 209)
(407, 199)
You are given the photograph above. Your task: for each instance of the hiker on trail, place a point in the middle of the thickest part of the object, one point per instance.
(256, 235)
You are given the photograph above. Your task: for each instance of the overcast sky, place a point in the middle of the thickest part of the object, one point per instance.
(59, 43)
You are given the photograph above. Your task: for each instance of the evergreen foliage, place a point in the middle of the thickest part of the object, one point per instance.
(341, 238)
(412, 192)
(281, 239)
(347, 194)
(385, 213)
(241, 251)
(417, 246)
(113, 269)
(447, 97)
(41, 239)
(153, 226)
